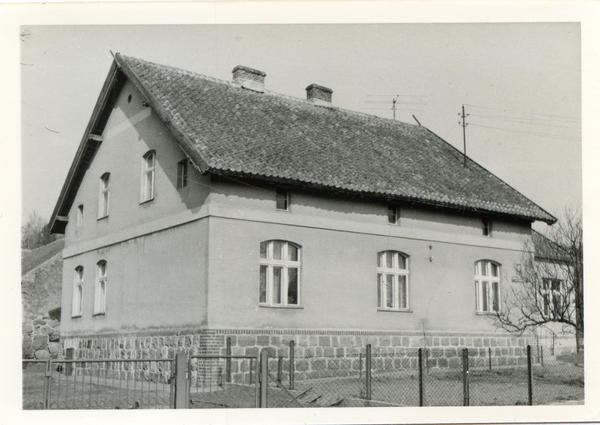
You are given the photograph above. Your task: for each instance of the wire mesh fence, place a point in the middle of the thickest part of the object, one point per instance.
(97, 384)
(353, 377)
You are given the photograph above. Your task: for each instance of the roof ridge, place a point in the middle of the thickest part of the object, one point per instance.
(266, 91)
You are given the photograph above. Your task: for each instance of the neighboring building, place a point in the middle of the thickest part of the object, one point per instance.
(197, 209)
(557, 296)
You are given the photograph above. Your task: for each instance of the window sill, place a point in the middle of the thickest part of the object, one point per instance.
(293, 307)
(146, 201)
(103, 217)
(99, 314)
(393, 310)
(277, 209)
(76, 317)
(486, 313)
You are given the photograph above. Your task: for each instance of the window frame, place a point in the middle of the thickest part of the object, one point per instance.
(269, 263)
(77, 297)
(79, 216)
(104, 196)
(487, 227)
(100, 288)
(393, 214)
(282, 192)
(549, 296)
(148, 184)
(400, 296)
(182, 173)
(487, 299)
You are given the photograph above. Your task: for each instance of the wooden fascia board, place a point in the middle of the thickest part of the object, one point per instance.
(76, 166)
(187, 145)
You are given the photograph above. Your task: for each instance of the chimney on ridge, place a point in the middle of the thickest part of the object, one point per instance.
(249, 78)
(319, 95)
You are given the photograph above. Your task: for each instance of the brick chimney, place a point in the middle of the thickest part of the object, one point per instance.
(319, 95)
(249, 78)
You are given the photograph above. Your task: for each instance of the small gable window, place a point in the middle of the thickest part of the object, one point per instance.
(182, 173)
(487, 286)
(103, 202)
(282, 199)
(279, 274)
(80, 216)
(100, 291)
(148, 174)
(77, 293)
(392, 280)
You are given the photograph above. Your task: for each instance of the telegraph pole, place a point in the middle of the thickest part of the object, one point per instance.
(464, 125)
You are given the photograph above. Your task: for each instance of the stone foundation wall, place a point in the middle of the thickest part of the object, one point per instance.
(316, 353)
(41, 339)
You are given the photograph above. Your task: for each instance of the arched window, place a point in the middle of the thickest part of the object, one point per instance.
(279, 273)
(392, 280)
(104, 195)
(100, 291)
(77, 293)
(487, 286)
(148, 172)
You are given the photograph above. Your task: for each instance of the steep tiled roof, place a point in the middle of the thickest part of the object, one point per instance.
(227, 129)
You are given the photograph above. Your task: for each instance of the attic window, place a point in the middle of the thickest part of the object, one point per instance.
(103, 202)
(148, 172)
(392, 214)
(80, 216)
(282, 199)
(487, 227)
(182, 170)
(129, 99)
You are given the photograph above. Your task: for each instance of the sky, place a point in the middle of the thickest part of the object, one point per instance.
(520, 84)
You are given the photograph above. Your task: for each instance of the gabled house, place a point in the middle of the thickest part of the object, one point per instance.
(197, 209)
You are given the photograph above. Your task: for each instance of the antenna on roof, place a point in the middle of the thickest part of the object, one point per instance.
(395, 100)
(464, 125)
(113, 55)
(417, 121)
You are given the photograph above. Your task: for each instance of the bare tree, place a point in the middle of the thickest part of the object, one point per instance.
(35, 233)
(550, 284)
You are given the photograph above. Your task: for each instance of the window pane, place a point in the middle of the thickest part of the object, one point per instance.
(495, 296)
(263, 284)
(389, 291)
(380, 259)
(484, 296)
(292, 286)
(546, 304)
(555, 284)
(484, 271)
(281, 196)
(402, 290)
(391, 214)
(292, 253)
(389, 256)
(277, 250)
(494, 270)
(557, 305)
(545, 283)
(401, 262)
(263, 249)
(477, 296)
(379, 285)
(277, 285)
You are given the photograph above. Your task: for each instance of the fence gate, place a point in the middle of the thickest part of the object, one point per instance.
(98, 384)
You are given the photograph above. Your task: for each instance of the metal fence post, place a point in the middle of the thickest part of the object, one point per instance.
(360, 365)
(490, 358)
(228, 361)
(420, 377)
(529, 377)
(279, 368)
(542, 355)
(180, 381)
(368, 372)
(292, 365)
(264, 376)
(465, 360)
(47, 380)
